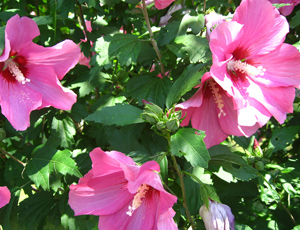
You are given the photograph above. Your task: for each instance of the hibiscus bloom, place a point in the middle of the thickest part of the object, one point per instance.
(162, 4)
(217, 217)
(4, 196)
(211, 109)
(253, 65)
(29, 73)
(286, 10)
(124, 195)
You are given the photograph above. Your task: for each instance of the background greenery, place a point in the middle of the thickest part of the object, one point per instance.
(261, 187)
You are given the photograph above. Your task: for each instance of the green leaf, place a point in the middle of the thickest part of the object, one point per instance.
(47, 160)
(2, 38)
(120, 114)
(196, 23)
(196, 47)
(124, 141)
(106, 101)
(295, 20)
(43, 20)
(223, 162)
(65, 129)
(282, 137)
(63, 163)
(35, 208)
(124, 47)
(187, 80)
(87, 85)
(193, 197)
(186, 142)
(149, 88)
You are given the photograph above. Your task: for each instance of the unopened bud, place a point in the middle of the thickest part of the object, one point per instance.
(160, 125)
(150, 117)
(173, 124)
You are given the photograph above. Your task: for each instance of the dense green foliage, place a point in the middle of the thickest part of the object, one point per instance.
(261, 187)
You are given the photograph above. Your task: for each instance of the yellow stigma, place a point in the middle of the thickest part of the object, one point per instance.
(16, 72)
(138, 199)
(217, 97)
(245, 68)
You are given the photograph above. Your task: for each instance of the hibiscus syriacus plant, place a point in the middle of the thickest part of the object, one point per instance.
(149, 114)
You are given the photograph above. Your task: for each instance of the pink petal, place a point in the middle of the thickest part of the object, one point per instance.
(161, 4)
(166, 221)
(144, 217)
(49, 87)
(62, 57)
(151, 178)
(100, 195)
(20, 32)
(17, 102)
(277, 100)
(108, 162)
(260, 26)
(282, 67)
(229, 122)
(4, 196)
(6, 51)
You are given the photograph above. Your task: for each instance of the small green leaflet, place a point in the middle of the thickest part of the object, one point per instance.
(191, 145)
(120, 114)
(47, 160)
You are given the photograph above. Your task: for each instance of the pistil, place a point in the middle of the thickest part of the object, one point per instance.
(245, 68)
(138, 199)
(217, 98)
(16, 72)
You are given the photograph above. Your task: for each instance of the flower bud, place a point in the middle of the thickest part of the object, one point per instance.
(150, 117)
(173, 124)
(160, 125)
(217, 216)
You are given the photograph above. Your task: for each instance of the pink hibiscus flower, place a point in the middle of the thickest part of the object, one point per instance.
(211, 109)
(286, 10)
(4, 196)
(29, 73)
(253, 65)
(124, 195)
(162, 4)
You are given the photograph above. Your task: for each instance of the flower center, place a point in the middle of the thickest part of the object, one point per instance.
(245, 68)
(138, 199)
(16, 72)
(217, 97)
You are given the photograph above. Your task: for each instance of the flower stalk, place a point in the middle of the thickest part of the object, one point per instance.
(153, 42)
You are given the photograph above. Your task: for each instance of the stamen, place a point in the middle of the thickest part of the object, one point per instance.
(245, 68)
(16, 72)
(138, 199)
(217, 97)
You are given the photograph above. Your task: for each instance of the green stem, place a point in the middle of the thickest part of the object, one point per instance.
(194, 177)
(187, 211)
(204, 6)
(153, 42)
(12, 157)
(183, 192)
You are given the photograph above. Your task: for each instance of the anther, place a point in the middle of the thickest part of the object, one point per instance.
(217, 97)
(138, 199)
(16, 72)
(245, 68)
